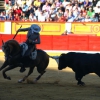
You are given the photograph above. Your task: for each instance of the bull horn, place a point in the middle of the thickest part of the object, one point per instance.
(2, 42)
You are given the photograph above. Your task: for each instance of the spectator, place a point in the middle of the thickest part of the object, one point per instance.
(71, 17)
(32, 17)
(64, 3)
(52, 13)
(50, 9)
(87, 19)
(46, 14)
(10, 16)
(94, 18)
(83, 11)
(60, 13)
(62, 8)
(90, 12)
(24, 17)
(42, 3)
(20, 3)
(58, 3)
(94, 3)
(80, 18)
(13, 2)
(55, 18)
(25, 7)
(98, 3)
(76, 2)
(66, 13)
(62, 18)
(31, 9)
(69, 6)
(37, 3)
(76, 7)
(18, 10)
(87, 4)
(50, 2)
(16, 17)
(2, 16)
(8, 6)
(81, 3)
(41, 17)
(29, 2)
(6, 1)
(53, 6)
(46, 7)
(97, 12)
(76, 13)
(37, 12)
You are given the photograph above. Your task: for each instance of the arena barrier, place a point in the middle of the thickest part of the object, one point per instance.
(53, 28)
(64, 42)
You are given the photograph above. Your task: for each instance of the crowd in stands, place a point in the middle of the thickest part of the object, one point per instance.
(52, 10)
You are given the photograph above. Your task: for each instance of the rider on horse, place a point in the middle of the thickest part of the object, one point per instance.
(33, 37)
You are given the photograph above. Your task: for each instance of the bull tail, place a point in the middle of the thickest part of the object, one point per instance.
(56, 58)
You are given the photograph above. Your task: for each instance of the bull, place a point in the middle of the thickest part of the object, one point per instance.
(81, 63)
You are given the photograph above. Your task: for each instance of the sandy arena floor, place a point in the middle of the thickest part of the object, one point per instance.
(53, 85)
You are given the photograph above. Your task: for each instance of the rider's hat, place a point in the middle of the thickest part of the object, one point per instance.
(35, 28)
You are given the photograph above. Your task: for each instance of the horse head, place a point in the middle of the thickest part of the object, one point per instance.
(10, 47)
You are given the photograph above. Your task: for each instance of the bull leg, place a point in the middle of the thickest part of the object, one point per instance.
(78, 78)
(4, 65)
(4, 71)
(25, 77)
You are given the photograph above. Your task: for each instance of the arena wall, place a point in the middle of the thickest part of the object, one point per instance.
(85, 36)
(68, 42)
(52, 28)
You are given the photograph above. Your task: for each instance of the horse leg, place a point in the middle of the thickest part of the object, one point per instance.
(4, 65)
(41, 69)
(39, 76)
(8, 68)
(25, 77)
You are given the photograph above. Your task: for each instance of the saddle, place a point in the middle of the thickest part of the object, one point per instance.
(24, 47)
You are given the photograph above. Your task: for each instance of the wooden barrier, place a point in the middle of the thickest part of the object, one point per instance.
(68, 42)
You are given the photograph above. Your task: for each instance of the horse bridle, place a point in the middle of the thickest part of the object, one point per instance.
(6, 50)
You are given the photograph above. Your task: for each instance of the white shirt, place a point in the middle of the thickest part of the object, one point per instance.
(41, 18)
(98, 3)
(87, 20)
(64, 3)
(97, 10)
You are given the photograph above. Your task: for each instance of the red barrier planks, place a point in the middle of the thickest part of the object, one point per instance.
(60, 42)
(65, 42)
(94, 43)
(46, 42)
(78, 42)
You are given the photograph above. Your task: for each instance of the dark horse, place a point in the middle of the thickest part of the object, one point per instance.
(13, 57)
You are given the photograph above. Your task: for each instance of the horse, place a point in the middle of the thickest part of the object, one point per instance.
(13, 56)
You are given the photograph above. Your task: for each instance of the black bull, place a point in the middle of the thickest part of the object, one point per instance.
(12, 51)
(81, 64)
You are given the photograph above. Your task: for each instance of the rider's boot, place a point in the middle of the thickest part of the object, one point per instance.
(27, 54)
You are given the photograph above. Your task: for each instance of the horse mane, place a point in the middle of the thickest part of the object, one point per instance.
(14, 46)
